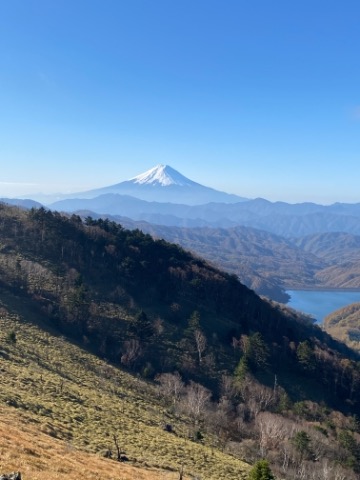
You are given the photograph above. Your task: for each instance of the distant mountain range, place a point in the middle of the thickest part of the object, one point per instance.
(279, 218)
(271, 246)
(20, 202)
(164, 196)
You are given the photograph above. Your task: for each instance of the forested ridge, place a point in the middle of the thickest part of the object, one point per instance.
(154, 309)
(267, 263)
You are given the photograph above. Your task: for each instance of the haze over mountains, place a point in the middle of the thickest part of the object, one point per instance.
(270, 246)
(165, 197)
(161, 183)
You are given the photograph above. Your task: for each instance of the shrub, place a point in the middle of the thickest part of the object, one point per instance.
(261, 471)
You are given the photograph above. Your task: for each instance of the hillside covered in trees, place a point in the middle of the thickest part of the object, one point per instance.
(344, 324)
(267, 263)
(254, 379)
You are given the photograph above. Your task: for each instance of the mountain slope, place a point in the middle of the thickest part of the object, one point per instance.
(162, 183)
(21, 202)
(55, 396)
(266, 263)
(328, 246)
(278, 218)
(156, 312)
(340, 251)
(263, 261)
(70, 269)
(163, 175)
(25, 447)
(344, 324)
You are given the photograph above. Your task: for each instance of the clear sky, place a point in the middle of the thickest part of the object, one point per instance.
(260, 98)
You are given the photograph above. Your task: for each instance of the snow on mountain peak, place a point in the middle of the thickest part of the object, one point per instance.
(161, 175)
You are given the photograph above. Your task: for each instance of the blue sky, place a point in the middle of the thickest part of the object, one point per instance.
(257, 98)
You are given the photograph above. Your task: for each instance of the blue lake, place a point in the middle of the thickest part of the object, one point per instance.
(319, 303)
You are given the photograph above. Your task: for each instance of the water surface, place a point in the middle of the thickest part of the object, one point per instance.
(319, 303)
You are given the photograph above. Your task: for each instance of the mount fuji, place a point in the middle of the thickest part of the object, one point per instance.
(163, 183)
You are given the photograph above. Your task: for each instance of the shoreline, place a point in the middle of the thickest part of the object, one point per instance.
(321, 289)
(320, 302)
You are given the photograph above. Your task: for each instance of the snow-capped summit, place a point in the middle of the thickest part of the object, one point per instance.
(162, 175)
(162, 183)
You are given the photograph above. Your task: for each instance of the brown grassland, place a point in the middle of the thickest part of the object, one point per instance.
(61, 409)
(24, 448)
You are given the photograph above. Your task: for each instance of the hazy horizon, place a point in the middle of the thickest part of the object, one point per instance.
(37, 195)
(258, 100)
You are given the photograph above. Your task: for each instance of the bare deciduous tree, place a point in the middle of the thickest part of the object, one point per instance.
(196, 400)
(170, 385)
(200, 341)
(273, 429)
(132, 351)
(257, 397)
(220, 420)
(227, 386)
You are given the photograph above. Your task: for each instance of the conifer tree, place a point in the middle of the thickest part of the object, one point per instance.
(301, 442)
(242, 368)
(143, 326)
(261, 471)
(193, 322)
(306, 357)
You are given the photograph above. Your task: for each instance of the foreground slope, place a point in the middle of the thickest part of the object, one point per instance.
(26, 448)
(52, 388)
(226, 363)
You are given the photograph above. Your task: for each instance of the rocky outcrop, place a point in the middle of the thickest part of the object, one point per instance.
(11, 476)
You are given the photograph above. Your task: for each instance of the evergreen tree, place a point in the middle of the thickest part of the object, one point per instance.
(193, 324)
(259, 351)
(301, 442)
(306, 357)
(261, 471)
(242, 368)
(142, 326)
(255, 354)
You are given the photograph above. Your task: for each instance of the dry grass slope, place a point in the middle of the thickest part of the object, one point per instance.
(61, 407)
(37, 455)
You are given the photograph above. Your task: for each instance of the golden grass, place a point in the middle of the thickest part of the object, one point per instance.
(68, 403)
(37, 456)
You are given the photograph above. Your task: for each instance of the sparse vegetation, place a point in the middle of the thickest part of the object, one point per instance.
(56, 396)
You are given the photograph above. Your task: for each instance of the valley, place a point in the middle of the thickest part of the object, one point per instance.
(321, 303)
